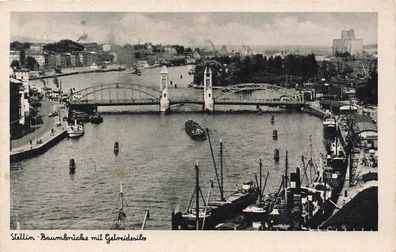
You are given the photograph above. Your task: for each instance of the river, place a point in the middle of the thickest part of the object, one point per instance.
(156, 161)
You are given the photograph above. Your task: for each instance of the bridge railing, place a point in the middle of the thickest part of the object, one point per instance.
(116, 101)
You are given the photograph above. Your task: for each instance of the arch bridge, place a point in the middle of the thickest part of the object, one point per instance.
(114, 94)
(124, 93)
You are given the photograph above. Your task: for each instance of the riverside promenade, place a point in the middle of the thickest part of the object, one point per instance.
(45, 135)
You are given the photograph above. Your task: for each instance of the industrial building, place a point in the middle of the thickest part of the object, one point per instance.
(347, 44)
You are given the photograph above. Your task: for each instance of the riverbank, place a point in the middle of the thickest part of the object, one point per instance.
(76, 70)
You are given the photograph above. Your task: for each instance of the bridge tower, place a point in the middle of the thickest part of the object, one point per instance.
(164, 100)
(208, 92)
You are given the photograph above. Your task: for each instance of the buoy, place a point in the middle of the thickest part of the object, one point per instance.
(72, 166)
(276, 155)
(275, 135)
(272, 119)
(116, 148)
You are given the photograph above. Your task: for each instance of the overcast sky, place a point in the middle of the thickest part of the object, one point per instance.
(194, 28)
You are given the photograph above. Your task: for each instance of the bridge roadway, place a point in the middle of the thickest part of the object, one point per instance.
(153, 101)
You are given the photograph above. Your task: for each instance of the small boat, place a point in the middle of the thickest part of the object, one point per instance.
(116, 148)
(72, 166)
(272, 119)
(75, 130)
(275, 135)
(276, 155)
(194, 130)
(96, 118)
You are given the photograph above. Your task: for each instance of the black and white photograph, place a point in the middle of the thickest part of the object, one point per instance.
(217, 121)
(175, 124)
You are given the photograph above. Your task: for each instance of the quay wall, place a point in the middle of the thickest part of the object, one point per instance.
(37, 150)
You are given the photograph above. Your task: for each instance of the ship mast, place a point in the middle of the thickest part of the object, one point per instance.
(260, 189)
(120, 215)
(197, 195)
(121, 196)
(285, 183)
(221, 169)
(214, 164)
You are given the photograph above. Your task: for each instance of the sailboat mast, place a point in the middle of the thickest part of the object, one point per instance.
(214, 164)
(260, 194)
(221, 169)
(286, 166)
(121, 195)
(197, 195)
(285, 184)
(337, 134)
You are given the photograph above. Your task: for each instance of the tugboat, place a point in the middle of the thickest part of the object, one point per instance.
(75, 130)
(194, 130)
(214, 212)
(96, 118)
(329, 126)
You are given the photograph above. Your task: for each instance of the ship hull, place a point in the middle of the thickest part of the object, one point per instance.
(75, 134)
(329, 132)
(194, 130)
(218, 214)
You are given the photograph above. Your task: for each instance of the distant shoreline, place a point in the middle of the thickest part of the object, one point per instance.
(78, 70)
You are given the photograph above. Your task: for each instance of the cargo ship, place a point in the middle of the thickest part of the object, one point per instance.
(329, 126)
(297, 207)
(213, 212)
(194, 130)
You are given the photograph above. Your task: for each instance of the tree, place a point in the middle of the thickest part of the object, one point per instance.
(15, 64)
(64, 46)
(31, 63)
(217, 72)
(368, 93)
(17, 46)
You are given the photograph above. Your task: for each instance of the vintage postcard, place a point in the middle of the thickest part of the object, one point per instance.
(194, 125)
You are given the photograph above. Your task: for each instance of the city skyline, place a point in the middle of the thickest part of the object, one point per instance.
(193, 29)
